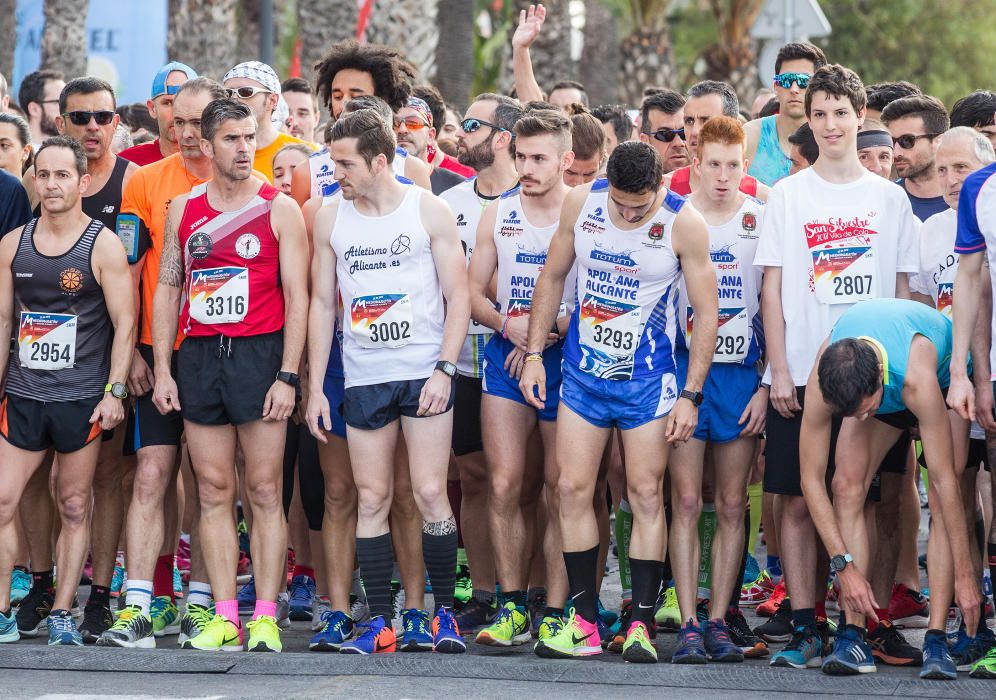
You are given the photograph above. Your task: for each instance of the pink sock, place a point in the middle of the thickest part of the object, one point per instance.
(229, 609)
(265, 607)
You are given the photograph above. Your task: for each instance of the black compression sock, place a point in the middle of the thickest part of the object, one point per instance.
(439, 550)
(376, 558)
(581, 572)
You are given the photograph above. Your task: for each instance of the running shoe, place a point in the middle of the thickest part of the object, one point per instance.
(8, 628)
(638, 648)
(291, 561)
(218, 634)
(549, 628)
(20, 585)
(577, 638)
(833, 594)
(752, 571)
(319, 606)
(247, 597)
(769, 607)
(283, 610)
(620, 630)
(358, 609)
(752, 646)
(608, 617)
(302, 590)
(668, 617)
(851, 654)
(34, 610)
(132, 630)
(337, 628)
(828, 632)
(535, 607)
(691, 648)
(719, 646)
(889, 646)
(985, 667)
(936, 661)
(119, 577)
(908, 609)
(264, 635)
(62, 630)
(804, 650)
(757, 591)
(446, 637)
(464, 586)
(702, 612)
(177, 582)
(416, 634)
(97, 619)
(195, 619)
(373, 637)
(510, 628)
(779, 628)
(165, 616)
(967, 650)
(475, 615)
(242, 571)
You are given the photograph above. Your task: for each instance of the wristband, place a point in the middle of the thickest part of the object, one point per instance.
(504, 325)
(534, 357)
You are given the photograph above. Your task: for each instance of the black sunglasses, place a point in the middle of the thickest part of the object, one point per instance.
(81, 118)
(907, 141)
(667, 135)
(471, 125)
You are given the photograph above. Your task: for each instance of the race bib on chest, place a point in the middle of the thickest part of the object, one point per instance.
(945, 297)
(47, 341)
(609, 326)
(732, 335)
(219, 295)
(381, 320)
(843, 259)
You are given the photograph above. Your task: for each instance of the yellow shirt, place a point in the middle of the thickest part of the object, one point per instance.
(263, 161)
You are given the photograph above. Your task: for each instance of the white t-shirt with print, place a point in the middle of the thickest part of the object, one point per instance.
(938, 261)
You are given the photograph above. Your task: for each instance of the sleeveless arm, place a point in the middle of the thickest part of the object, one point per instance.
(111, 265)
(288, 224)
(322, 312)
(8, 247)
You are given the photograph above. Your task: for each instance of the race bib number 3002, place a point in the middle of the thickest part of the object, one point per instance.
(219, 295)
(609, 326)
(47, 341)
(382, 320)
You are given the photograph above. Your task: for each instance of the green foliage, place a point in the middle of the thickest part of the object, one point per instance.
(491, 52)
(947, 48)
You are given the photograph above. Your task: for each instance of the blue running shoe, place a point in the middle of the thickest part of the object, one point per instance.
(337, 630)
(718, 645)
(446, 637)
(20, 585)
(373, 637)
(177, 583)
(416, 634)
(8, 628)
(937, 662)
(62, 630)
(608, 617)
(965, 650)
(751, 571)
(804, 650)
(691, 648)
(851, 654)
(118, 579)
(302, 590)
(247, 597)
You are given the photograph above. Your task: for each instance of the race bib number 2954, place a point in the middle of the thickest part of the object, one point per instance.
(47, 341)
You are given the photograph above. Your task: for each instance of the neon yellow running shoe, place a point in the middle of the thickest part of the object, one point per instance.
(264, 635)
(549, 628)
(220, 634)
(986, 666)
(668, 616)
(638, 648)
(510, 628)
(165, 616)
(578, 638)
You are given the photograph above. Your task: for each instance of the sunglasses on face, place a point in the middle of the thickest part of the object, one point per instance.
(81, 118)
(667, 135)
(908, 141)
(246, 92)
(411, 123)
(469, 126)
(785, 80)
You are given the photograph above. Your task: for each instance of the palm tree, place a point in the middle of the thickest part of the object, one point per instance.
(551, 52)
(203, 33)
(63, 44)
(321, 24)
(410, 26)
(600, 53)
(455, 55)
(732, 58)
(8, 39)
(645, 49)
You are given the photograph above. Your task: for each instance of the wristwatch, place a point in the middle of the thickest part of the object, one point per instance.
(839, 562)
(288, 378)
(117, 390)
(695, 397)
(447, 368)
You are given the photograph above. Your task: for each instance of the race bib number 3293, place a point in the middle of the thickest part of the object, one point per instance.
(47, 341)
(609, 326)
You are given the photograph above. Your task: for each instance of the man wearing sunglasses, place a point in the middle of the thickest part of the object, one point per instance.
(415, 132)
(257, 85)
(661, 125)
(915, 123)
(165, 85)
(767, 138)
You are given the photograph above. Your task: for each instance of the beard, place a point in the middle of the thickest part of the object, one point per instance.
(479, 157)
(47, 125)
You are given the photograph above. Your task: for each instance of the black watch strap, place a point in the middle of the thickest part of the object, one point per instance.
(447, 368)
(288, 378)
(695, 397)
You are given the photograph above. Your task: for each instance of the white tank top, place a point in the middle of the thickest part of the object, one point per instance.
(392, 301)
(739, 338)
(323, 169)
(624, 323)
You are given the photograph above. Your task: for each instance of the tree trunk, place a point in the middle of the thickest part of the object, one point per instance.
(646, 61)
(410, 26)
(63, 44)
(247, 37)
(321, 24)
(551, 52)
(600, 54)
(455, 54)
(8, 39)
(203, 34)
(732, 59)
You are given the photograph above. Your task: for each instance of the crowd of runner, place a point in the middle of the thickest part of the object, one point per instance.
(266, 369)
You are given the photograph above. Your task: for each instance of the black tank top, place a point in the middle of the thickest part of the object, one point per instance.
(63, 348)
(105, 205)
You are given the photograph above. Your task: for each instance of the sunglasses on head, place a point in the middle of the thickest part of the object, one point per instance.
(246, 92)
(907, 141)
(411, 123)
(81, 118)
(785, 80)
(469, 126)
(667, 135)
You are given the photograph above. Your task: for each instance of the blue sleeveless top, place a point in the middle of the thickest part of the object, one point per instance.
(770, 163)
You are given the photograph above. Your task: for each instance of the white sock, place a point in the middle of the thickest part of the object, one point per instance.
(199, 593)
(140, 594)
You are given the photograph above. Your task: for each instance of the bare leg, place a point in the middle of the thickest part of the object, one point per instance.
(686, 464)
(19, 466)
(339, 525)
(406, 532)
(732, 463)
(74, 490)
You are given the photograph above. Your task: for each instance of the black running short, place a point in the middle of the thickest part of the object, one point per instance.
(38, 425)
(781, 449)
(373, 406)
(146, 425)
(223, 381)
(467, 416)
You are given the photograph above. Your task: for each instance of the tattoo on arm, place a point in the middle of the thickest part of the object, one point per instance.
(443, 527)
(171, 265)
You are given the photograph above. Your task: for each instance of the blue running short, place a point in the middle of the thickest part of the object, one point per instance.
(727, 390)
(498, 382)
(335, 392)
(627, 403)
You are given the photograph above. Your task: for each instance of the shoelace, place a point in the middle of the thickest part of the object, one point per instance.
(935, 645)
(446, 621)
(62, 625)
